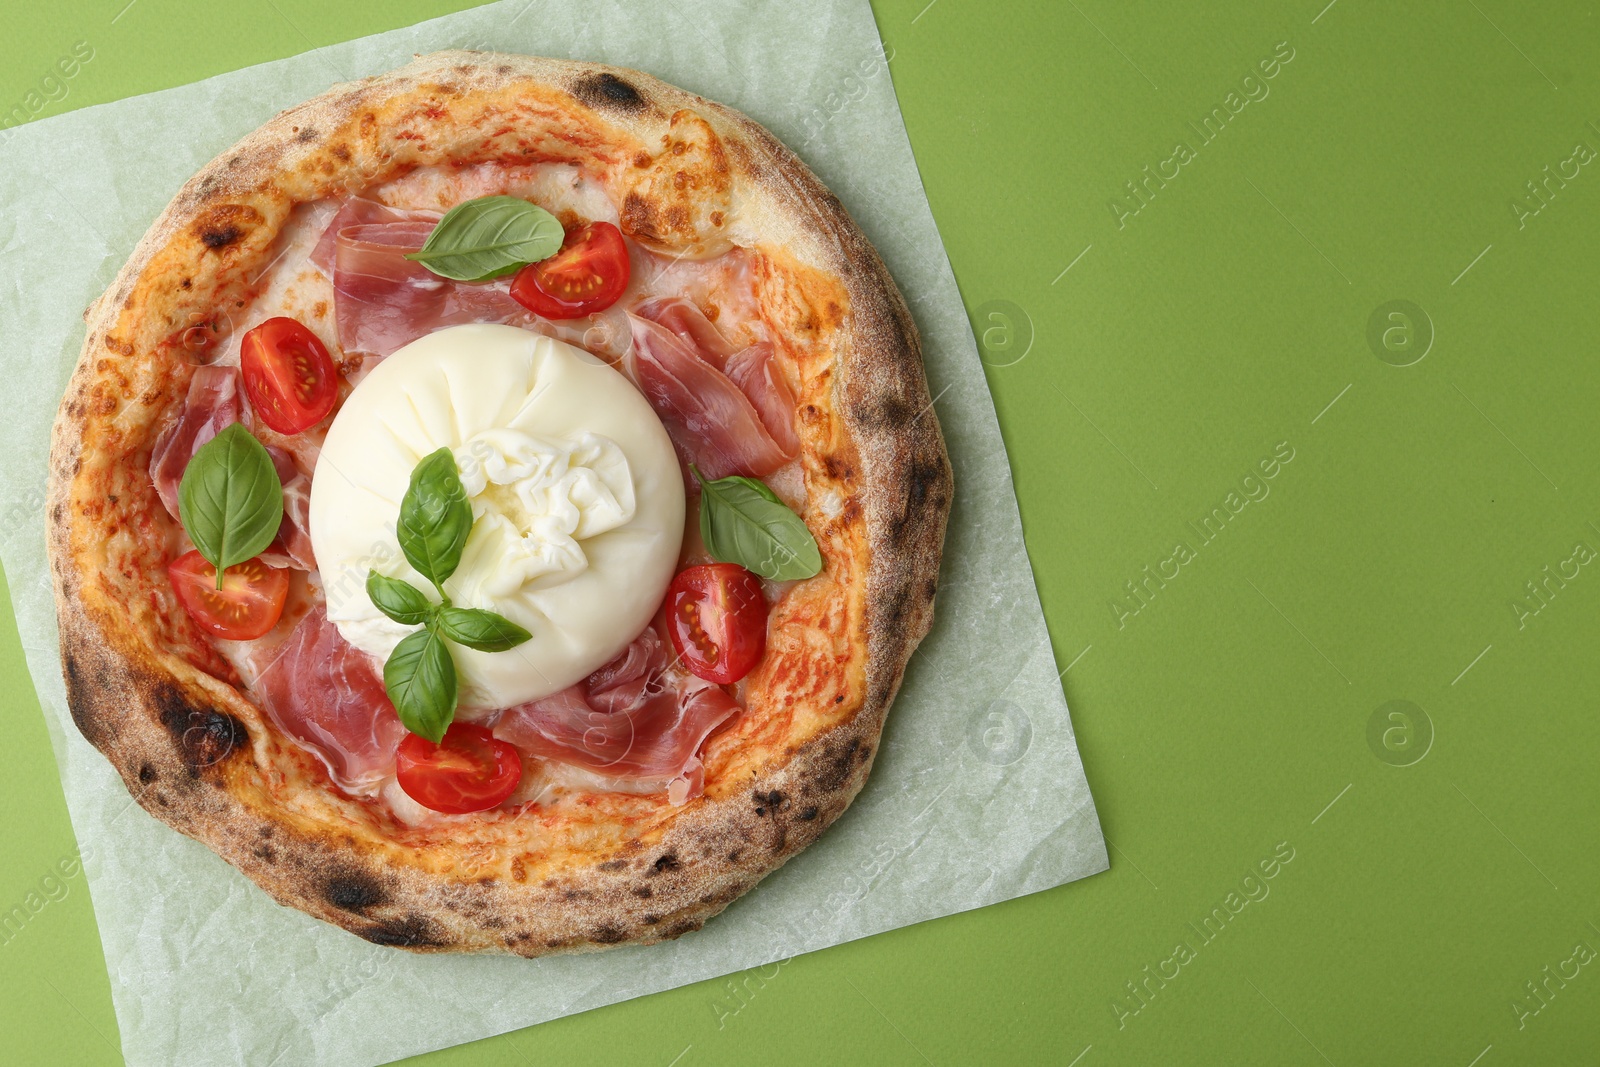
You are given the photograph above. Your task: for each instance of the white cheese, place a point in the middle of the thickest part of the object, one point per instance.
(577, 501)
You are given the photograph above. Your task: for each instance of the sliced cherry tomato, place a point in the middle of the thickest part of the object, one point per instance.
(587, 275)
(470, 770)
(718, 620)
(248, 604)
(291, 382)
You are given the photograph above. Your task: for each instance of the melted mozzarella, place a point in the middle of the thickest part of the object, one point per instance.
(577, 500)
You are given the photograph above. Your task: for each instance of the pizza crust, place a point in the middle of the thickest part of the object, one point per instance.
(607, 869)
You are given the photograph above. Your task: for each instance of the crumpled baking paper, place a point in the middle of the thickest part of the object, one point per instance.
(978, 794)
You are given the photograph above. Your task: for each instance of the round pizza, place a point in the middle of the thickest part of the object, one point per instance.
(495, 506)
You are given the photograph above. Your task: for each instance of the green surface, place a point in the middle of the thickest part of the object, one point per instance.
(1235, 710)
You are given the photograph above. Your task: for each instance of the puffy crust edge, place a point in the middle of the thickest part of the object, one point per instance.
(170, 729)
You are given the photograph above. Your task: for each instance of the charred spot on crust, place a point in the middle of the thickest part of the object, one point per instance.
(604, 91)
(614, 865)
(927, 485)
(413, 931)
(808, 814)
(774, 801)
(264, 853)
(78, 695)
(889, 413)
(684, 928)
(205, 736)
(835, 770)
(353, 891)
(220, 238)
(225, 224)
(609, 935)
(306, 135)
(667, 862)
(898, 607)
(644, 892)
(147, 774)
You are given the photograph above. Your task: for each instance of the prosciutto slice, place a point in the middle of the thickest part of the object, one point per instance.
(635, 720)
(328, 695)
(292, 546)
(754, 371)
(690, 323)
(708, 416)
(212, 405)
(384, 301)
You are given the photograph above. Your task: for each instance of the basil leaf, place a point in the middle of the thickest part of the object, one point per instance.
(481, 630)
(435, 518)
(401, 601)
(420, 678)
(490, 236)
(230, 500)
(744, 522)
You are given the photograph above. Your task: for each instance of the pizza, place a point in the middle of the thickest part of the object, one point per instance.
(495, 506)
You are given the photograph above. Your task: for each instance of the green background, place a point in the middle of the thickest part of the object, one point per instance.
(1441, 860)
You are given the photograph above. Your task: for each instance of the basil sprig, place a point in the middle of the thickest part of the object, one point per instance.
(435, 518)
(488, 237)
(419, 676)
(230, 500)
(744, 522)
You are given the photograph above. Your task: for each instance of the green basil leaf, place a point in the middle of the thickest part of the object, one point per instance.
(420, 678)
(490, 236)
(230, 500)
(744, 522)
(435, 518)
(481, 630)
(401, 601)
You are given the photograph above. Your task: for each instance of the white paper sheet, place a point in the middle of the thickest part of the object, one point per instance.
(978, 794)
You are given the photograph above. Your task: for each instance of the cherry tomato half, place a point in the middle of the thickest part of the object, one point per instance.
(291, 382)
(470, 770)
(248, 604)
(718, 620)
(587, 275)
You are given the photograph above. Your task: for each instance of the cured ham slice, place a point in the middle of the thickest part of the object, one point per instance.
(384, 301)
(292, 546)
(709, 418)
(212, 405)
(328, 695)
(689, 323)
(359, 211)
(754, 371)
(636, 721)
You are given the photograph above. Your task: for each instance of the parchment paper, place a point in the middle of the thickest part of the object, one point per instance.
(978, 794)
